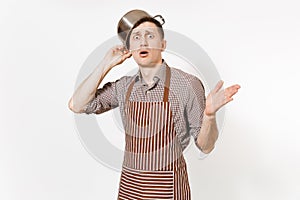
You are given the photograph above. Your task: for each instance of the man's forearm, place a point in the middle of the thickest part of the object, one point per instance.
(87, 89)
(208, 134)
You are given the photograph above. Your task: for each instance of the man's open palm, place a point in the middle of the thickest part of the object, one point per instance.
(219, 97)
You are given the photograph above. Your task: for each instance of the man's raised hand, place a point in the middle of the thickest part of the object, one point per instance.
(218, 97)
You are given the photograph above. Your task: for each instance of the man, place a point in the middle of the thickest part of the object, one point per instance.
(161, 107)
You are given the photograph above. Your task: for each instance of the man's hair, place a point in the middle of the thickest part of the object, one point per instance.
(142, 20)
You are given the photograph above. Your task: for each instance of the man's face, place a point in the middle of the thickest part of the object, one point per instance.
(146, 44)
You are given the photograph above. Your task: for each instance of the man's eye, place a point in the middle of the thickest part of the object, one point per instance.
(136, 37)
(150, 36)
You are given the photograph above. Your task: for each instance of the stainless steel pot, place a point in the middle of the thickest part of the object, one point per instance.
(128, 21)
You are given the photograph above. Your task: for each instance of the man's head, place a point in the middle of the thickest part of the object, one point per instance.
(142, 20)
(146, 42)
(143, 36)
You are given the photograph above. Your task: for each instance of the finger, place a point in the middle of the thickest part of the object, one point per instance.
(119, 49)
(228, 100)
(123, 49)
(127, 55)
(218, 86)
(229, 92)
(236, 86)
(119, 46)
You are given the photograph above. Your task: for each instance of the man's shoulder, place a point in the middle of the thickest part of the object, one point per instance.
(182, 76)
(126, 79)
(121, 83)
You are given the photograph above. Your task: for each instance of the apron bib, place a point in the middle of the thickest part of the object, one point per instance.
(153, 166)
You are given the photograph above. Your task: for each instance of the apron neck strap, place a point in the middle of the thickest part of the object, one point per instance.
(167, 84)
(166, 87)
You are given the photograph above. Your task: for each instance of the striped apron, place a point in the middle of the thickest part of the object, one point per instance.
(153, 166)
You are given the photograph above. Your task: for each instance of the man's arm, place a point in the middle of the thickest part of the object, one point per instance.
(214, 101)
(87, 89)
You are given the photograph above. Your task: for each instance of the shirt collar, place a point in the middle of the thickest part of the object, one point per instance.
(160, 75)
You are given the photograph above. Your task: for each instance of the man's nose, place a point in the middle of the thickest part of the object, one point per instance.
(144, 41)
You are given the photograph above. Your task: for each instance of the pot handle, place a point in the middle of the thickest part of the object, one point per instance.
(162, 20)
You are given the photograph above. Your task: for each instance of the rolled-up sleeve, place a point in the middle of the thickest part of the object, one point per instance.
(105, 99)
(194, 108)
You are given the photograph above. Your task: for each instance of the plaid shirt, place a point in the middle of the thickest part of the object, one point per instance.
(186, 97)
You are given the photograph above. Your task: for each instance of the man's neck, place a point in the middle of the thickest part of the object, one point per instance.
(149, 72)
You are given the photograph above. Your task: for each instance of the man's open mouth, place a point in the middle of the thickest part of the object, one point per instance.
(144, 53)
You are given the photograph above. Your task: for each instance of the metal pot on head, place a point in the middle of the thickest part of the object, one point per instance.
(127, 22)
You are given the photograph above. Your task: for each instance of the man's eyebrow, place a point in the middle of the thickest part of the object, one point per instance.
(148, 31)
(136, 32)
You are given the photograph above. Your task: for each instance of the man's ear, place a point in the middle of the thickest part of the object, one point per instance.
(163, 45)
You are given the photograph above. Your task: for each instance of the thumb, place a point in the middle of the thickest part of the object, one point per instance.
(218, 86)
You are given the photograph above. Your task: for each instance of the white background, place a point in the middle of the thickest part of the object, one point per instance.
(254, 43)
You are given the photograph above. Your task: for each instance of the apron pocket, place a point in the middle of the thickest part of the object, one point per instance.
(139, 184)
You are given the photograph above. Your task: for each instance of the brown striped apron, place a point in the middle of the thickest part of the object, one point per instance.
(153, 166)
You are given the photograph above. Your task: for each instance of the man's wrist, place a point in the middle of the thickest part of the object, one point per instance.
(210, 116)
